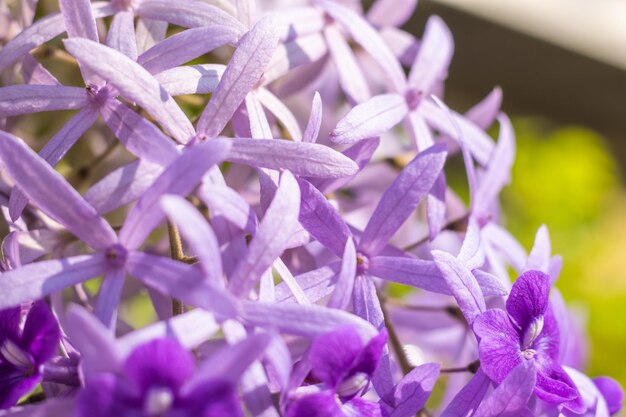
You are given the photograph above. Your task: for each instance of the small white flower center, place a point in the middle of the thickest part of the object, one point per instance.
(158, 401)
(352, 385)
(14, 355)
(532, 332)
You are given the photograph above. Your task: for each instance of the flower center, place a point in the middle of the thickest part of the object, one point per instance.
(15, 356)
(533, 330)
(529, 353)
(158, 401)
(362, 263)
(116, 255)
(413, 98)
(98, 95)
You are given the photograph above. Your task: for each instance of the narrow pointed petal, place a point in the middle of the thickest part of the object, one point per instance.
(186, 46)
(303, 320)
(436, 215)
(345, 281)
(35, 73)
(485, 112)
(498, 173)
(413, 390)
(197, 232)
(298, 52)
(55, 149)
(23, 99)
(122, 185)
(408, 271)
(259, 124)
(371, 118)
(148, 33)
(315, 120)
(183, 282)
(462, 284)
(109, 297)
(504, 241)
(470, 396)
(307, 159)
(79, 19)
(121, 36)
(36, 280)
(134, 83)
(510, 397)
(472, 253)
(49, 190)
(191, 79)
(539, 257)
(188, 14)
(321, 219)
(244, 69)
(231, 205)
(402, 197)
(434, 56)
(391, 12)
(179, 178)
(275, 230)
(366, 36)
(351, 77)
(281, 112)
(285, 274)
(139, 136)
(419, 130)
(316, 284)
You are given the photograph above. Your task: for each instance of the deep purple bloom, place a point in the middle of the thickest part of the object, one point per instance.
(155, 383)
(24, 351)
(345, 365)
(527, 330)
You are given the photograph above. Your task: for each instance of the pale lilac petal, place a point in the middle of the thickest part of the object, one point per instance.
(109, 297)
(419, 130)
(300, 21)
(371, 118)
(485, 112)
(612, 392)
(50, 407)
(191, 79)
(187, 13)
(391, 12)
(49, 190)
(274, 232)
(181, 281)
(315, 120)
(307, 159)
(281, 112)
(140, 137)
(285, 274)
(23, 247)
(244, 69)
(36, 280)
(403, 44)
(121, 36)
(54, 150)
(197, 232)
(413, 390)
(462, 284)
(224, 201)
(134, 83)
(303, 320)
(510, 397)
(436, 215)
(434, 56)
(316, 284)
(498, 172)
(409, 271)
(148, 33)
(539, 257)
(122, 185)
(504, 241)
(22, 99)
(489, 284)
(470, 396)
(478, 142)
(186, 46)
(287, 56)
(345, 280)
(179, 178)
(351, 77)
(472, 253)
(321, 219)
(401, 198)
(35, 73)
(245, 11)
(94, 341)
(259, 124)
(366, 36)
(79, 19)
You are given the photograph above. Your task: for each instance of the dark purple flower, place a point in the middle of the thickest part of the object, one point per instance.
(344, 364)
(527, 330)
(155, 383)
(24, 351)
(612, 392)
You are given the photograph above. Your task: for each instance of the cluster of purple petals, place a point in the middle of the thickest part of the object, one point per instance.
(264, 200)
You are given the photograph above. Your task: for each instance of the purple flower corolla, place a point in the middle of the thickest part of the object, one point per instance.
(344, 365)
(526, 331)
(24, 350)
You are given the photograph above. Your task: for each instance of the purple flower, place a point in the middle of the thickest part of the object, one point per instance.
(23, 351)
(526, 331)
(345, 366)
(156, 383)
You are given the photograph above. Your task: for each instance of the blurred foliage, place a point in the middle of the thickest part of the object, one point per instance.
(567, 179)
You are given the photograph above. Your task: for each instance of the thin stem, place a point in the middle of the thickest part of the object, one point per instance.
(176, 249)
(472, 367)
(403, 361)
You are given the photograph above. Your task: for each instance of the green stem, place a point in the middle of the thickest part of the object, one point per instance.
(176, 250)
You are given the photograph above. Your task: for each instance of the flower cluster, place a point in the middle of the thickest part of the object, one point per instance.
(239, 167)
